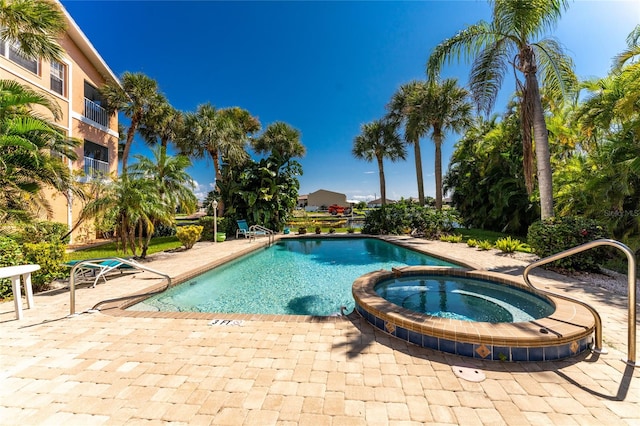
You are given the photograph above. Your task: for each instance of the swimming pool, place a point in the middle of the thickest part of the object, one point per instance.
(306, 276)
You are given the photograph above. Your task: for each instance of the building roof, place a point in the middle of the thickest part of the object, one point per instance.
(379, 201)
(81, 40)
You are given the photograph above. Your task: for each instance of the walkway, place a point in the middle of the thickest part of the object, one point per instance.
(98, 368)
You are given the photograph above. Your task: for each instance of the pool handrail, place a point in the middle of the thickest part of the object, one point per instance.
(72, 283)
(254, 229)
(632, 288)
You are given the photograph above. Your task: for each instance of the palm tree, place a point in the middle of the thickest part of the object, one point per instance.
(379, 140)
(34, 25)
(444, 108)
(280, 139)
(508, 39)
(163, 123)
(137, 97)
(631, 53)
(403, 108)
(168, 177)
(27, 142)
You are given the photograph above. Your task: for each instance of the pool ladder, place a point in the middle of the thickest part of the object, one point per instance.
(631, 276)
(255, 230)
(72, 279)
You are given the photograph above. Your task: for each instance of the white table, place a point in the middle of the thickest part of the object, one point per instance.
(14, 273)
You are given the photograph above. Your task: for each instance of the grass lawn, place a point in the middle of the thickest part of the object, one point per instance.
(109, 250)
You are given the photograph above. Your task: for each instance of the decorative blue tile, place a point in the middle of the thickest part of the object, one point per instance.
(536, 354)
(431, 342)
(415, 338)
(402, 333)
(564, 351)
(447, 346)
(551, 353)
(501, 353)
(464, 349)
(519, 354)
(379, 323)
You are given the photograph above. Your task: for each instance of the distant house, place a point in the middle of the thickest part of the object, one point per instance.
(378, 202)
(303, 201)
(321, 199)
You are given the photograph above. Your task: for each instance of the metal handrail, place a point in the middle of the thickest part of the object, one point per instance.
(72, 279)
(631, 276)
(268, 232)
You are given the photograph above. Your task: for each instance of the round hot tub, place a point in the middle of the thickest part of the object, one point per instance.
(472, 313)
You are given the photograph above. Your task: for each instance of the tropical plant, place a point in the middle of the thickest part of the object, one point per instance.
(485, 245)
(163, 124)
(378, 141)
(511, 38)
(508, 244)
(189, 235)
(35, 26)
(471, 242)
(34, 153)
(136, 96)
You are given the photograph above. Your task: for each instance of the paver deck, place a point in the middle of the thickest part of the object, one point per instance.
(98, 368)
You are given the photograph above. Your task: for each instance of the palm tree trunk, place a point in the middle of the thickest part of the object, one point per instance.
(215, 157)
(418, 155)
(543, 158)
(437, 138)
(383, 191)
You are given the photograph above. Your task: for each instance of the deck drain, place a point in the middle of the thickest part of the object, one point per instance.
(468, 373)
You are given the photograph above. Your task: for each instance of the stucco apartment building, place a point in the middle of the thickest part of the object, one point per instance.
(74, 84)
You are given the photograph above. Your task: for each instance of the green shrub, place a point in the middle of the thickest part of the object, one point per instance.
(188, 235)
(50, 256)
(207, 227)
(10, 255)
(561, 233)
(451, 238)
(396, 219)
(332, 230)
(162, 230)
(302, 230)
(471, 242)
(485, 245)
(507, 245)
(40, 231)
(318, 230)
(351, 230)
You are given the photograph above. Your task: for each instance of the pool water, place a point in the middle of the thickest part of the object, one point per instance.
(464, 299)
(293, 277)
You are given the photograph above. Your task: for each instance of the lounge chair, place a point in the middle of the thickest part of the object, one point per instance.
(93, 271)
(243, 229)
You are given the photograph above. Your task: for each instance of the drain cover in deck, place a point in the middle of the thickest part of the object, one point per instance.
(468, 373)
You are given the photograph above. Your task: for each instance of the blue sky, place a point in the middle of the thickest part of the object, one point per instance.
(323, 67)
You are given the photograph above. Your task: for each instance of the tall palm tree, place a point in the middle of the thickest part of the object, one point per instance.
(404, 108)
(32, 152)
(510, 39)
(631, 53)
(34, 25)
(136, 97)
(379, 140)
(444, 108)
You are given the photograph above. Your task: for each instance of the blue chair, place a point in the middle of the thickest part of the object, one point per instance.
(243, 229)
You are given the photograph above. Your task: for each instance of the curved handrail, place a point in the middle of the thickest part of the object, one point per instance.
(72, 279)
(631, 275)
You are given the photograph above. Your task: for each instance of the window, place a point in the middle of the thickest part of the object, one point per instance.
(96, 159)
(15, 55)
(57, 77)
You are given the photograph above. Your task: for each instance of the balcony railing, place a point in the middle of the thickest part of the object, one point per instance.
(96, 168)
(95, 112)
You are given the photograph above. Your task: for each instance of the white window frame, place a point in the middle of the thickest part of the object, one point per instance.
(58, 72)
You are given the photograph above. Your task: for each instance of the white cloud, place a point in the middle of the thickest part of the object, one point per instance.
(369, 173)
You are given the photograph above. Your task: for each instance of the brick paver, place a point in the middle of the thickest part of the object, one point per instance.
(96, 368)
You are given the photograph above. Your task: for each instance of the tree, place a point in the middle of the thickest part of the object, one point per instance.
(168, 177)
(509, 39)
(163, 124)
(33, 25)
(136, 96)
(444, 108)
(280, 139)
(379, 140)
(404, 108)
(34, 152)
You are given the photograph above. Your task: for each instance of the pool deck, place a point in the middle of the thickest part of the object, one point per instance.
(101, 368)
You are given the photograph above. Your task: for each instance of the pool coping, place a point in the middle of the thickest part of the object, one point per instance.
(566, 332)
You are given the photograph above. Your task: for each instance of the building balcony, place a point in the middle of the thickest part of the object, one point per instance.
(95, 169)
(96, 113)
